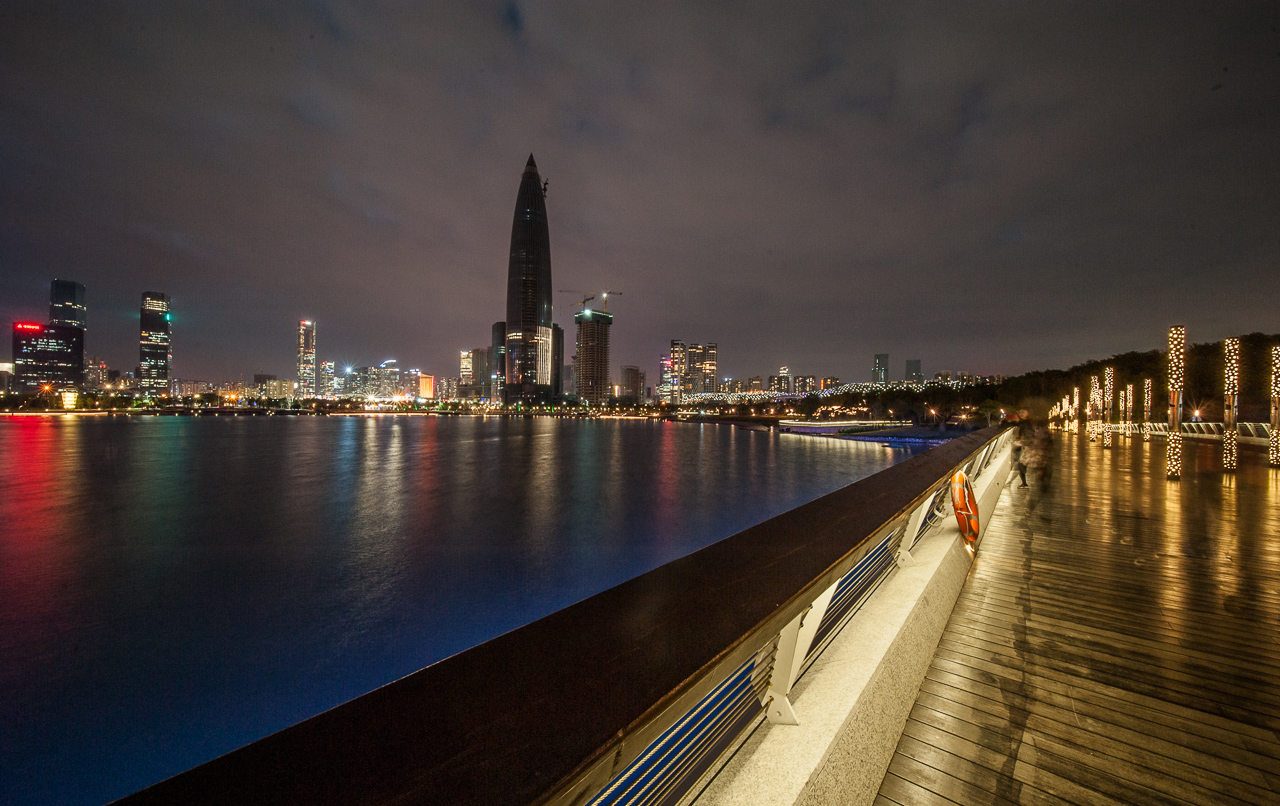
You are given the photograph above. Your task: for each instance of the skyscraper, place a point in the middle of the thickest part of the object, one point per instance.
(914, 375)
(702, 369)
(632, 383)
(591, 372)
(465, 375)
(66, 304)
(498, 366)
(306, 359)
(154, 353)
(47, 355)
(530, 370)
(880, 373)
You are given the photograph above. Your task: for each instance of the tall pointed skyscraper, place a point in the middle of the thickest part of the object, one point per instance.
(530, 355)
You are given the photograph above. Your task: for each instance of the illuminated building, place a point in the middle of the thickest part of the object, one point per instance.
(387, 379)
(1177, 366)
(531, 368)
(591, 367)
(66, 304)
(674, 371)
(669, 387)
(805, 384)
(447, 389)
(781, 383)
(702, 369)
(327, 387)
(755, 384)
(465, 377)
(914, 375)
(498, 362)
(829, 382)
(306, 359)
(427, 387)
(95, 373)
(154, 354)
(632, 385)
(880, 372)
(47, 355)
(410, 382)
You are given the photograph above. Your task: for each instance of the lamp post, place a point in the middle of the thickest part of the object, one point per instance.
(1108, 395)
(1273, 445)
(1128, 408)
(1230, 403)
(1146, 409)
(1177, 364)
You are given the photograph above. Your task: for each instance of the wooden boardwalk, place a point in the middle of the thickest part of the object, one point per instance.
(1117, 642)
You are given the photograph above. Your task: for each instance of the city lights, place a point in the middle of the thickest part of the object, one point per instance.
(1230, 403)
(1177, 364)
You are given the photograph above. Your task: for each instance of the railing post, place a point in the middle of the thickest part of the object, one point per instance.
(793, 648)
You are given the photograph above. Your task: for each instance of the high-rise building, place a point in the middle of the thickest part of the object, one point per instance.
(47, 356)
(830, 382)
(781, 383)
(669, 382)
(306, 359)
(914, 375)
(880, 372)
(674, 375)
(702, 369)
(755, 384)
(326, 387)
(427, 387)
(632, 385)
(465, 376)
(155, 356)
(66, 304)
(530, 369)
(95, 373)
(386, 379)
(805, 384)
(447, 389)
(591, 369)
(498, 362)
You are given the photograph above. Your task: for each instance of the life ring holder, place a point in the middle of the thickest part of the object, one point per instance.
(965, 505)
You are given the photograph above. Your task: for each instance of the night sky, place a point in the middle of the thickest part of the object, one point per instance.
(990, 188)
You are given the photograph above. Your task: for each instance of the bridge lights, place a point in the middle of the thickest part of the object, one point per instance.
(1273, 444)
(1230, 403)
(1177, 364)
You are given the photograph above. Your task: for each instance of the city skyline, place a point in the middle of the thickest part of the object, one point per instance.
(1015, 178)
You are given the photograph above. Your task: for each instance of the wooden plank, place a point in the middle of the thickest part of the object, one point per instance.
(1119, 640)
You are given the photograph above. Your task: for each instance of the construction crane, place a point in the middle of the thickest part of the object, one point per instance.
(604, 297)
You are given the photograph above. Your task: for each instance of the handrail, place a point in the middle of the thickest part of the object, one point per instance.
(661, 669)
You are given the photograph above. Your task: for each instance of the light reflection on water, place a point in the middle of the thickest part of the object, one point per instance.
(173, 588)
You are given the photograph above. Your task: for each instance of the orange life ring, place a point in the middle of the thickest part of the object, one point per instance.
(965, 505)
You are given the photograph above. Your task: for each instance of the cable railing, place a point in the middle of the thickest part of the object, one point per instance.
(627, 697)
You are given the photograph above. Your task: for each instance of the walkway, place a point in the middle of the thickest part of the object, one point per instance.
(1117, 642)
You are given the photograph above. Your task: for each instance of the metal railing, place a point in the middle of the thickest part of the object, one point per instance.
(625, 697)
(1247, 432)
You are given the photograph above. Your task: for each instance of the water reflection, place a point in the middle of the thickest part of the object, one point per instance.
(172, 588)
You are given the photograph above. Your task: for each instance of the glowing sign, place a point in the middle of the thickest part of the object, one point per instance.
(26, 326)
